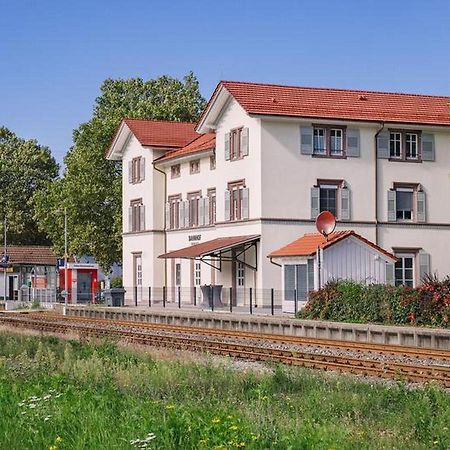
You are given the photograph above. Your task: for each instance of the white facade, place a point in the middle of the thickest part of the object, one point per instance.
(281, 181)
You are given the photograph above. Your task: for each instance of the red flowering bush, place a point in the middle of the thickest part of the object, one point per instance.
(347, 301)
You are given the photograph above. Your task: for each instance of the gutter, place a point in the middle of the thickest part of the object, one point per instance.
(165, 224)
(377, 222)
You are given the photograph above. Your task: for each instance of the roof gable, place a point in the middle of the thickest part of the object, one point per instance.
(152, 133)
(327, 103)
(202, 143)
(308, 244)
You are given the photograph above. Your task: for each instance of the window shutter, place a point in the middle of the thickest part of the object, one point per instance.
(167, 216)
(142, 169)
(130, 218)
(424, 265)
(227, 146)
(383, 145)
(227, 205)
(306, 140)
(180, 214)
(244, 142)
(130, 171)
(392, 205)
(201, 211)
(244, 203)
(421, 206)
(390, 274)
(345, 204)
(186, 213)
(142, 217)
(315, 198)
(289, 282)
(353, 143)
(206, 206)
(428, 153)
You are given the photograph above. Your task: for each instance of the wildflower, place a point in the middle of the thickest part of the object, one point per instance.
(240, 445)
(58, 439)
(47, 418)
(32, 405)
(229, 417)
(46, 397)
(170, 406)
(233, 427)
(215, 420)
(53, 447)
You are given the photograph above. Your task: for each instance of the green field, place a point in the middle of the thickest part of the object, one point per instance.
(58, 395)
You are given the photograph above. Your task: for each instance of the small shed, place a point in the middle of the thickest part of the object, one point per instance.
(309, 262)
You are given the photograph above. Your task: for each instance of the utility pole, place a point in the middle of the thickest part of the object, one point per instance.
(6, 260)
(66, 275)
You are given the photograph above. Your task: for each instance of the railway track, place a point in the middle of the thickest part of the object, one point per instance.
(361, 347)
(144, 334)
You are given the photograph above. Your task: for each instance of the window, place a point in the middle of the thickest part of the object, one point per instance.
(298, 280)
(212, 161)
(175, 171)
(236, 143)
(212, 206)
(404, 270)
(240, 274)
(194, 166)
(329, 141)
(137, 170)
(406, 202)
(404, 145)
(136, 215)
(178, 274)
(194, 200)
(236, 201)
(198, 274)
(328, 199)
(174, 212)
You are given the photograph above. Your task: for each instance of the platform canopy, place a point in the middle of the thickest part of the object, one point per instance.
(217, 250)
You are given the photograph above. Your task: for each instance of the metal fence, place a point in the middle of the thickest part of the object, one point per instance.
(213, 298)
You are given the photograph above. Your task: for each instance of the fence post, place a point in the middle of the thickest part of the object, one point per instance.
(271, 300)
(211, 291)
(149, 297)
(135, 295)
(295, 301)
(231, 299)
(179, 297)
(195, 295)
(164, 296)
(251, 301)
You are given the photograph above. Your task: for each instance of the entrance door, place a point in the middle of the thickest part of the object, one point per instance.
(137, 279)
(196, 281)
(84, 281)
(11, 288)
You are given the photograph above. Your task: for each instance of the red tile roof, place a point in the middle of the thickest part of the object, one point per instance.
(307, 244)
(202, 143)
(209, 247)
(343, 104)
(31, 255)
(162, 133)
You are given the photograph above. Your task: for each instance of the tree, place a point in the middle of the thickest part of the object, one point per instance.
(91, 188)
(25, 168)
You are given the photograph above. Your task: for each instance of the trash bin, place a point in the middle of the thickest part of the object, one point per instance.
(211, 295)
(115, 297)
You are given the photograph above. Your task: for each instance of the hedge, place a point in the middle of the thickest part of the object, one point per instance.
(348, 301)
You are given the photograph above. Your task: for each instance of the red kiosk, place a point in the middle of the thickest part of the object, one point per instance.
(82, 280)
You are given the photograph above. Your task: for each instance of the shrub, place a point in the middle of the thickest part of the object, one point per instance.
(116, 282)
(348, 301)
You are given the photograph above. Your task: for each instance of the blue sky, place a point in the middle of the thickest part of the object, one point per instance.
(55, 54)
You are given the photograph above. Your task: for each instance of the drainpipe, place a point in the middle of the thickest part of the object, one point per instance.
(376, 183)
(165, 224)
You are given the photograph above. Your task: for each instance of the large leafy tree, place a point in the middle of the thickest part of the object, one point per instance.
(25, 168)
(91, 186)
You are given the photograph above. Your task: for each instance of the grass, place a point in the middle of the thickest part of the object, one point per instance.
(99, 396)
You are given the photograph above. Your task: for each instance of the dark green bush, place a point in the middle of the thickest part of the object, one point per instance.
(116, 282)
(348, 301)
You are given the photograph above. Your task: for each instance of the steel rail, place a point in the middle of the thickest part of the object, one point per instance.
(391, 349)
(391, 370)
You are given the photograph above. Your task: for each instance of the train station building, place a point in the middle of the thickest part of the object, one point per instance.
(206, 203)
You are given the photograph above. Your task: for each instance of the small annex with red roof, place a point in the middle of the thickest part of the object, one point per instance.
(312, 260)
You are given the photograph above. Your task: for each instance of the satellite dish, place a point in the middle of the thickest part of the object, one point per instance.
(325, 223)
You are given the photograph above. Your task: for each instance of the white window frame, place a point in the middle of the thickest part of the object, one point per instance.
(395, 142)
(413, 213)
(402, 257)
(197, 273)
(316, 149)
(329, 186)
(240, 274)
(340, 139)
(408, 146)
